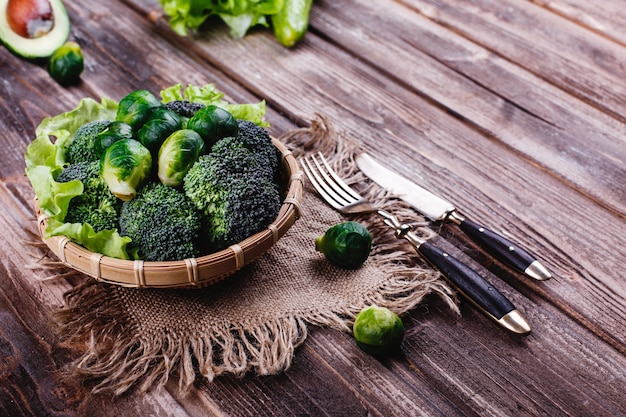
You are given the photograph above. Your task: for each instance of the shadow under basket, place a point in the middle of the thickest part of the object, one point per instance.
(194, 272)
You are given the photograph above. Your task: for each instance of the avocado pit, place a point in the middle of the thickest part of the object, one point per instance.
(30, 18)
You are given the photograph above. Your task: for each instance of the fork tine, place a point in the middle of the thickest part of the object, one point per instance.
(327, 194)
(335, 181)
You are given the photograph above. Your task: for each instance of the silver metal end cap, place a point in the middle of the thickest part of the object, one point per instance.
(515, 322)
(537, 271)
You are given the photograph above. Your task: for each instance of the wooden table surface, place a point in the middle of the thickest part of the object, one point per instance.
(515, 110)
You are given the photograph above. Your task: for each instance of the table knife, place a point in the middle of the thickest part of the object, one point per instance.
(466, 280)
(438, 209)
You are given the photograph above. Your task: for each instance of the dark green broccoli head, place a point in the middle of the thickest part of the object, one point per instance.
(83, 148)
(258, 140)
(233, 157)
(252, 203)
(96, 206)
(183, 108)
(162, 223)
(206, 185)
(235, 195)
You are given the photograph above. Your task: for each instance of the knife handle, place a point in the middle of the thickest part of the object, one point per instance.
(476, 289)
(505, 250)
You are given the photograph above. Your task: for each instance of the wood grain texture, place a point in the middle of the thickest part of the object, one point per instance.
(512, 109)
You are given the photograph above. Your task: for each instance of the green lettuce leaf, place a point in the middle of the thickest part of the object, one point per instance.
(239, 15)
(209, 95)
(45, 159)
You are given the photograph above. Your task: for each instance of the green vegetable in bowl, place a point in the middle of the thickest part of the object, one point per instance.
(82, 147)
(162, 224)
(66, 63)
(234, 190)
(207, 95)
(177, 154)
(159, 125)
(378, 330)
(125, 167)
(115, 131)
(257, 140)
(213, 123)
(184, 108)
(96, 206)
(346, 245)
(136, 107)
(49, 154)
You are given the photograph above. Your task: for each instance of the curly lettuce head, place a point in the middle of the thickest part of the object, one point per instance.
(239, 15)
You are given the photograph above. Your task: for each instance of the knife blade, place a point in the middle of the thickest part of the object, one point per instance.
(437, 209)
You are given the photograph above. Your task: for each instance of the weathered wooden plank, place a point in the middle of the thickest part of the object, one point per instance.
(554, 48)
(553, 358)
(498, 97)
(330, 376)
(603, 17)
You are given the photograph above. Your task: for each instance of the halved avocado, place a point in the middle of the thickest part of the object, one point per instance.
(39, 47)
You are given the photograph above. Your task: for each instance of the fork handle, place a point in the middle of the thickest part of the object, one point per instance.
(475, 288)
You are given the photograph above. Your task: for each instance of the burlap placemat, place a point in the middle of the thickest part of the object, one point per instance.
(253, 321)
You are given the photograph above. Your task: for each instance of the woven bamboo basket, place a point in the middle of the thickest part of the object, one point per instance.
(194, 272)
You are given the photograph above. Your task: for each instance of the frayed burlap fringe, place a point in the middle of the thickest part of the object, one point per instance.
(122, 356)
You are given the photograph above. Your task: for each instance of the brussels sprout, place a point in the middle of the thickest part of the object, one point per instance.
(66, 63)
(114, 132)
(378, 331)
(177, 154)
(346, 245)
(136, 107)
(125, 167)
(213, 123)
(161, 123)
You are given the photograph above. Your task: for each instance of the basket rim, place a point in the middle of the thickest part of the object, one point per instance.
(192, 272)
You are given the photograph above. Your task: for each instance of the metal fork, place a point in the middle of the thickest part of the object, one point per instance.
(466, 280)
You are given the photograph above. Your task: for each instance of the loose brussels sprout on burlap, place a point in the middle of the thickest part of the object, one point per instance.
(346, 245)
(125, 167)
(177, 154)
(378, 330)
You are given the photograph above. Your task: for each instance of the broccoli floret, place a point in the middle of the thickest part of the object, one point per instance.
(81, 148)
(183, 108)
(162, 223)
(96, 206)
(258, 140)
(232, 156)
(234, 193)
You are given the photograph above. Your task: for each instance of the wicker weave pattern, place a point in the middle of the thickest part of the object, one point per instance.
(195, 272)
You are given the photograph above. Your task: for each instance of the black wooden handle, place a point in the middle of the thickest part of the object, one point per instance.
(471, 284)
(498, 246)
